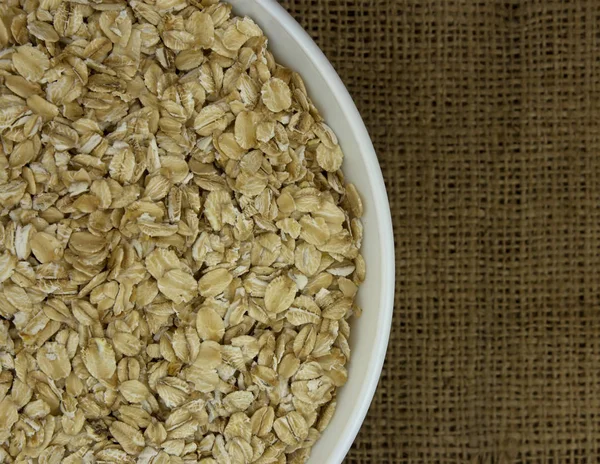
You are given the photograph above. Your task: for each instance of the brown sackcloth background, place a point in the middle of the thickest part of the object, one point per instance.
(485, 116)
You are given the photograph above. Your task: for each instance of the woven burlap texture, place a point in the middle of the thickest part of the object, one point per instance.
(485, 116)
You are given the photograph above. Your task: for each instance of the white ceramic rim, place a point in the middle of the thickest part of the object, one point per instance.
(384, 221)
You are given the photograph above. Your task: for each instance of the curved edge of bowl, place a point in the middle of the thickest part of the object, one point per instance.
(386, 236)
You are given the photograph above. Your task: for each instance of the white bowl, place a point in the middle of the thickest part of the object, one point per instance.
(293, 47)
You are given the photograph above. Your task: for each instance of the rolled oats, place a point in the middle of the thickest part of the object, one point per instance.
(179, 251)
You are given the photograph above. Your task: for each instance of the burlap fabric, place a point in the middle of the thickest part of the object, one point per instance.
(485, 116)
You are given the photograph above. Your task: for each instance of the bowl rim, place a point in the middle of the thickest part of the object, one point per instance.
(383, 215)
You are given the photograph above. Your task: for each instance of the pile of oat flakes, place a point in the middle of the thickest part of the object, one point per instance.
(179, 251)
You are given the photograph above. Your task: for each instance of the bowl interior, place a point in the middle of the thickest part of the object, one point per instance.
(292, 47)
